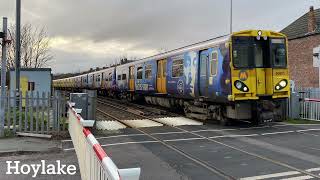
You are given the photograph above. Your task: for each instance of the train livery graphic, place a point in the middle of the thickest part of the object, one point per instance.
(239, 76)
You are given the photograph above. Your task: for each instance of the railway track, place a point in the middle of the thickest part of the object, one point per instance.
(202, 163)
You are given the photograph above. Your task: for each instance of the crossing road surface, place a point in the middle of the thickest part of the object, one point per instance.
(279, 152)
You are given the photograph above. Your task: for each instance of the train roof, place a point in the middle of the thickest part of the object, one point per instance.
(199, 45)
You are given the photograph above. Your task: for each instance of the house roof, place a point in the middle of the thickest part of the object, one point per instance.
(299, 28)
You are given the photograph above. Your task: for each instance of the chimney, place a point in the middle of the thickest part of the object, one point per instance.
(312, 25)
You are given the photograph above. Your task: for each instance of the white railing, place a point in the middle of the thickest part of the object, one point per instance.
(93, 161)
(310, 109)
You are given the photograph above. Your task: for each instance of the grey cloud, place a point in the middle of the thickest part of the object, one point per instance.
(149, 24)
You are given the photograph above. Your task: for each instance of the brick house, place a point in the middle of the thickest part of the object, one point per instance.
(303, 36)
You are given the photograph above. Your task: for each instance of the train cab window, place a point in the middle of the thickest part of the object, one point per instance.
(214, 63)
(124, 76)
(177, 68)
(278, 53)
(139, 72)
(148, 71)
(119, 77)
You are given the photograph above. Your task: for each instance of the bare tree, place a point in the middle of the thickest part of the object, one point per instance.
(35, 47)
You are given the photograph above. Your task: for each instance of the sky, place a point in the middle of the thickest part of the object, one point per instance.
(96, 33)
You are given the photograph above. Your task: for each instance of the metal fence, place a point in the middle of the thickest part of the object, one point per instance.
(93, 161)
(34, 112)
(305, 103)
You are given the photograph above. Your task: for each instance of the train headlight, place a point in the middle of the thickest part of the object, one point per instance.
(282, 84)
(241, 86)
(238, 85)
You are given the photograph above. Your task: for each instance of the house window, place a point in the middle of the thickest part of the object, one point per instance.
(30, 86)
(148, 71)
(119, 77)
(177, 68)
(139, 72)
(214, 63)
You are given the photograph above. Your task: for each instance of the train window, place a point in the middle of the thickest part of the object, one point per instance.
(119, 77)
(214, 63)
(278, 53)
(164, 68)
(110, 77)
(203, 64)
(124, 76)
(148, 71)
(132, 72)
(139, 72)
(177, 68)
(159, 69)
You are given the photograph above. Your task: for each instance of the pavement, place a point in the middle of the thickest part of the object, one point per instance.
(29, 151)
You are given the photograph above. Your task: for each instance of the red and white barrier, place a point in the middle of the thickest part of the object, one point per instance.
(94, 162)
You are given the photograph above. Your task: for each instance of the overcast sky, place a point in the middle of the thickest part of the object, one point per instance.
(91, 33)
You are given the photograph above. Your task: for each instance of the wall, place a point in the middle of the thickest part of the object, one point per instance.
(42, 80)
(301, 61)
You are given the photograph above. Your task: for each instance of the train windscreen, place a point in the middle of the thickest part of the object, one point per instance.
(249, 52)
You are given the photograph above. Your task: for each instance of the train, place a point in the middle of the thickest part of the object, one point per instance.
(240, 76)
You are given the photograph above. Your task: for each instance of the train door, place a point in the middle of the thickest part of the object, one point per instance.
(261, 81)
(131, 78)
(203, 73)
(162, 76)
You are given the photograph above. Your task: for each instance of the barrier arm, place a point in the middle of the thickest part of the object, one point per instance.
(94, 162)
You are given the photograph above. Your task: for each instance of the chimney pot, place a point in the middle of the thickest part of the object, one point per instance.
(311, 20)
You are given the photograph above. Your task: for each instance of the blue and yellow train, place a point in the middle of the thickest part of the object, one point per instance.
(239, 76)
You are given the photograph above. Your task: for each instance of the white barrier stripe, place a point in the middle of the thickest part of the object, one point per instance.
(275, 175)
(299, 178)
(281, 132)
(110, 167)
(92, 140)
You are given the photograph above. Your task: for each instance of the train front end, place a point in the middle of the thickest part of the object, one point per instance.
(259, 75)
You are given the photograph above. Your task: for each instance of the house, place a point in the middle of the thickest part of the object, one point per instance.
(303, 38)
(37, 80)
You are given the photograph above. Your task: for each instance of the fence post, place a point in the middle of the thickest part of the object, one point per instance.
(37, 111)
(31, 111)
(48, 113)
(14, 111)
(20, 111)
(9, 111)
(43, 102)
(26, 119)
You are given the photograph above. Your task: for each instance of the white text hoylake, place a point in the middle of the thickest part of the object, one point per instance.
(15, 167)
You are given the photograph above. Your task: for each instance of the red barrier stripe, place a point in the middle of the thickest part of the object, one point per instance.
(311, 100)
(86, 131)
(99, 151)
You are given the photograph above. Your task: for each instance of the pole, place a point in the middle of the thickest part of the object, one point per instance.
(231, 16)
(3, 76)
(18, 45)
